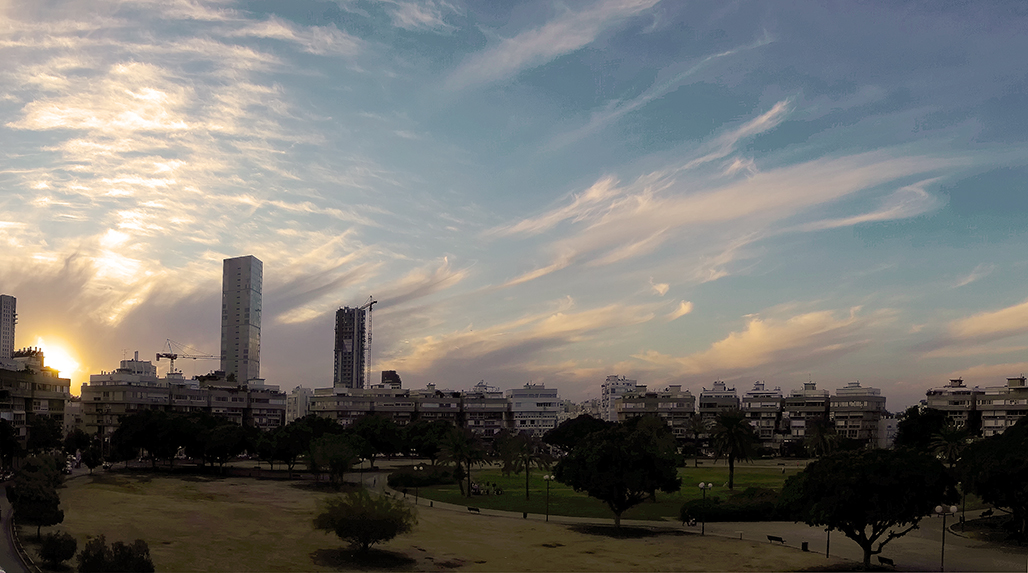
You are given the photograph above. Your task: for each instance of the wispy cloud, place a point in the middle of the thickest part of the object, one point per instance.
(684, 308)
(979, 272)
(422, 15)
(991, 325)
(562, 35)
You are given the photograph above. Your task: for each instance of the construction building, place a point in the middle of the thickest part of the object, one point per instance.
(241, 282)
(349, 348)
(8, 320)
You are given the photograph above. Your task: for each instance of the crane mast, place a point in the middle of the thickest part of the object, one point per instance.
(172, 355)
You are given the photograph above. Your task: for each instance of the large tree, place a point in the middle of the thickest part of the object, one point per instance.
(620, 466)
(821, 438)
(381, 434)
(871, 496)
(996, 468)
(529, 451)
(733, 438)
(570, 433)
(918, 426)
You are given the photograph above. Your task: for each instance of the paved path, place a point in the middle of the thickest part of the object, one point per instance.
(9, 558)
(919, 550)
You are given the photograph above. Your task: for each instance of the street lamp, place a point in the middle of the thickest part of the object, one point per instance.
(704, 487)
(548, 478)
(417, 481)
(944, 510)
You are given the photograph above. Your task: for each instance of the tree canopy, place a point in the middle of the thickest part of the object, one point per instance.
(996, 469)
(622, 465)
(363, 520)
(571, 432)
(871, 496)
(918, 427)
(464, 449)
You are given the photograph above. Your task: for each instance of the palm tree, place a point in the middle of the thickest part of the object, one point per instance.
(697, 426)
(733, 438)
(821, 439)
(528, 451)
(949, 443)
(463, 448)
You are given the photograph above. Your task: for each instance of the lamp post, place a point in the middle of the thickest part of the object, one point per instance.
(548, 478)
(944, 510)
(417, 481)
(704, 487)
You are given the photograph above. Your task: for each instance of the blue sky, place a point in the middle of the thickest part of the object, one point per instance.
(533, 191)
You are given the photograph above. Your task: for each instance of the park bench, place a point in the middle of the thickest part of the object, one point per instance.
(474, 510)
(775, 538)
(885, 561)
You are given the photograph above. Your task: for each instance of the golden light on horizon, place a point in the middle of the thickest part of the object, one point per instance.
(60, 356)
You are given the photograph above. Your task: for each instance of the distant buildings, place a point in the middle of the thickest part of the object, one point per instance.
(672, 405)
(533, 408)
(348, 371)
(612, 388)
(8, 319)
(30, 388)
(241, 282)
(998, 407)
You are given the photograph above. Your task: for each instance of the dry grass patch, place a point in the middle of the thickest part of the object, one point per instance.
(241, 524)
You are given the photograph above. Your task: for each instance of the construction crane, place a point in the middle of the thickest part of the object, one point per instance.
(367, 346)
(172, 355)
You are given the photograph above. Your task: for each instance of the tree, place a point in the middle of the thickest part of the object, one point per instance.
(871, 496)
(996, 468)
(335, 453)
(949, 443)
(92, 457)
(57, 548)
(10, 447)
(380, 433)
(529, 451)
(363, 520)
(45, 433)
(917, 427)
(426, 438)
(619, 466)
(733, 438)
(697, 427)
(464, 449)
(821, 439)
(76, 440)
(33, 493)
(97, 557)
(571, 432)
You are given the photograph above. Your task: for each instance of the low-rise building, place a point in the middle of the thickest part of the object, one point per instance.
(533, 408)
(31, 389)
(719, 398)
(1002, 406)
(856, 411)
(802, 406)
(958, 401)
(672, 405)
(763, 409)
(613, 387)
(298, 403)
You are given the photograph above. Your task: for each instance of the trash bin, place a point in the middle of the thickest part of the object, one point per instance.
(805, 546)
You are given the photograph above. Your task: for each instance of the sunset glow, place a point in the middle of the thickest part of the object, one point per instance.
(56, 355)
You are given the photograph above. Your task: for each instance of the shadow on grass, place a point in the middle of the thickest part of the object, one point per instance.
(325, 487)
(346, 559)
(626, 532)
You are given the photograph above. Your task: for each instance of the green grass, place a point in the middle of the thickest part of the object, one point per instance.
(565, 501)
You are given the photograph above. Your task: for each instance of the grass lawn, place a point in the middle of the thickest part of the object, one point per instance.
(196, 523)
(566, 501)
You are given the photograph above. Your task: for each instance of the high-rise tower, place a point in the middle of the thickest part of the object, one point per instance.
(349, 359)
(8, 318)
(241, 281)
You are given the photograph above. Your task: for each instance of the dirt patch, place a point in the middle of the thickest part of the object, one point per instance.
(625, 532)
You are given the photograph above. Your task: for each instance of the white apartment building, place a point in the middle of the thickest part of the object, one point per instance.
(802, 406)
(763, 409)
(298, 403)
(533, 408)
(672, 405)
(613, 387)
(1002, 406)
(856, 411)
(719, 398)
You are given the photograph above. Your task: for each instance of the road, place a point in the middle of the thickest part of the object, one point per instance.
(9, 558)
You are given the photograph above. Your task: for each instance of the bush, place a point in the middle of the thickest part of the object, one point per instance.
(431, 475)
(58, 547)
(751, 504)
(97, 557)
(363, 520)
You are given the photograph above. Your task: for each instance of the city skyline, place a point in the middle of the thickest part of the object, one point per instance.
(533, 192)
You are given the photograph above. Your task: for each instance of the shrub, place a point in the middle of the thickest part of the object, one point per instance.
(57, 547)
(751, 504)
(363, 520)
(97, 557)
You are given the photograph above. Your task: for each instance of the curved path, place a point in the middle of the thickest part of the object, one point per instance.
(9, 558)
(919, 550)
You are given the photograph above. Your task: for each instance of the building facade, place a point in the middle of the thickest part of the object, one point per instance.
(348, 371)
(32, 389)
(8, 320)
(533, 409)
(613, 387)
(298, 403)
(719, 398)
(672, 405)
(856, 412)
(763, 409)
(241, 282)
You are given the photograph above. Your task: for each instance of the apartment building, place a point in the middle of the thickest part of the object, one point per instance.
(801, 406)
(533, 408)
(955, 399)
(719, 398)
(856, 412)
(613, 387)
(674, 406)
(763, 409)
(31, 389)
(1002, 406)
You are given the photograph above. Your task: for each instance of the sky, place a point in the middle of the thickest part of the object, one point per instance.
(546, 192)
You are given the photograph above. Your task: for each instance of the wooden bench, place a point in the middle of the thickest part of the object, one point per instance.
(474, 510)
(885, 561)
(775, 538)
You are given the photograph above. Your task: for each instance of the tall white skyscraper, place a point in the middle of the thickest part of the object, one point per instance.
(8, 318)
(241, 317)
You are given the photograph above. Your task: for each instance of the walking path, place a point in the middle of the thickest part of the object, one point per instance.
(9, 558)
(919, 550)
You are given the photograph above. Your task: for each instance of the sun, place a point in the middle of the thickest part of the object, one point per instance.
(57, 356)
